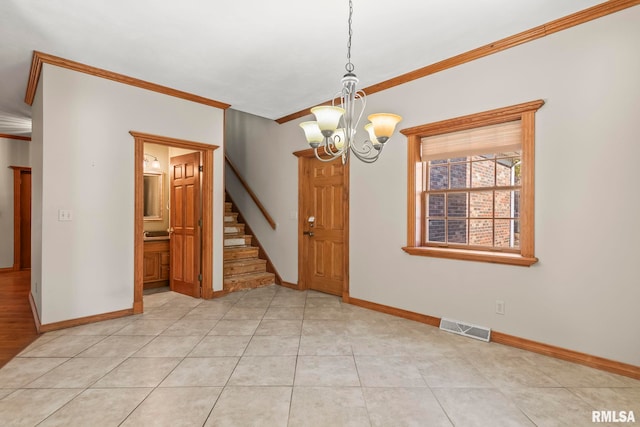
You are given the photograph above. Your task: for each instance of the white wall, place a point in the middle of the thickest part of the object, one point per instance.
(88, 154)
(583, 293)
(13, 152)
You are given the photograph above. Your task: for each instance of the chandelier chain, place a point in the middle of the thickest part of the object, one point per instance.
(333, 131)
(349, 66)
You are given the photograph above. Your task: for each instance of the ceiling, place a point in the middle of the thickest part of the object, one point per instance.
(270, 58)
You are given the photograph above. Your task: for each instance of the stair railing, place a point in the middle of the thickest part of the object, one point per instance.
(255, 199)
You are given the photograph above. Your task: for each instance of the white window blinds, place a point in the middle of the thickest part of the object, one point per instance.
(500, 138)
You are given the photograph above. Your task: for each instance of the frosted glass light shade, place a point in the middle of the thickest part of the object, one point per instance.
(328, 118)
(384, 124)
(372, 136)
(312, 132)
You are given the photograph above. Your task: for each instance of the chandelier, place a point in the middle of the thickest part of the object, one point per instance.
(335, 126)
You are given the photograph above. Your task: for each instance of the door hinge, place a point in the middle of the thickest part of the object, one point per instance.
(200, 277)
(200, 222)
(200, 168)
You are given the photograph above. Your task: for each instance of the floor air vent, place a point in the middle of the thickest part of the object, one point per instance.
(478, 332)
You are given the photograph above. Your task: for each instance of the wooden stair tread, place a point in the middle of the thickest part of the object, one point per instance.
(245, 261)
(248, 281)
(242, 268)
(250, 276)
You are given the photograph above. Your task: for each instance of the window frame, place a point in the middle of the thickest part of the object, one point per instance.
(416, 232)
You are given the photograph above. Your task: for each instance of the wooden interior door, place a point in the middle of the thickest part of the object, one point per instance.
(21, 217)
(324, 226)
(25, 219)
(185, 223)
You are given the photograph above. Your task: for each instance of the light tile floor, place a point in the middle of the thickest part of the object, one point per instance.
(276, 357)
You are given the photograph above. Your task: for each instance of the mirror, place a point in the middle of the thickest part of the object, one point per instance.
(153, 196)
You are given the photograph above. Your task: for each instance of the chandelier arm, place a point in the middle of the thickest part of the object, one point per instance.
(366, 147)
(326, 160)
(329, 150)
(362, 97)
(364, 158)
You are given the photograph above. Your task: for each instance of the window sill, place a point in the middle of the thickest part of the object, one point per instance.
(469, 255)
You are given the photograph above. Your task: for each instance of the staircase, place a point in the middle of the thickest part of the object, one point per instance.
(243, 268)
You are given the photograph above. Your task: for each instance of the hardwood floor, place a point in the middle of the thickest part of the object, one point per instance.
(17, 328)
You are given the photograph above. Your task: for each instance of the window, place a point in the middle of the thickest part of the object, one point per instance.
(471, 188)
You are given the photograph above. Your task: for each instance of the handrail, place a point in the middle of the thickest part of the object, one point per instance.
(266, 215)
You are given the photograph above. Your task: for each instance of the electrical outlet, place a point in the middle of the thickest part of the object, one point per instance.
(499, 306)
(65, 215)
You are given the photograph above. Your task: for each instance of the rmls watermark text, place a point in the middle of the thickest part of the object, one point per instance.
(613, 417)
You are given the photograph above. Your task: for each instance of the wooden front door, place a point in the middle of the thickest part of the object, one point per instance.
(323, 225)
(185, 223)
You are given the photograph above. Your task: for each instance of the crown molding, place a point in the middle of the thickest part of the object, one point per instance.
(526, 36)
(40, 58)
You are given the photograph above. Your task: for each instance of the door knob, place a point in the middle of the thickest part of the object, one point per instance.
(308, 233)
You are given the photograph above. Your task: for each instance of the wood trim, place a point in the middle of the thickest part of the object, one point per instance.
(568, 355)
(40, 58)
(470, 255)
(470, 121)
(262, 253)
(84, 320)
(7, 269)
(551, 27)
(17, 220)
(138, 245)
(302, 277)
(206, 264)
(34, 311)
(19, 137)
(527, 216)
(414, 192)
(248, 189)
(398, 312)
(173, 142)
(513, 341)
(290, 285)
(207, 204)
(309, 152)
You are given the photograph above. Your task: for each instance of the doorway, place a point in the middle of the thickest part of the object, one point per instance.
(323, 225)
(205, 244)
(21, 218)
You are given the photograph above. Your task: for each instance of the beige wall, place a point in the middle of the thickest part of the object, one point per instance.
(13, 152)
(87, 167)
(583, 293)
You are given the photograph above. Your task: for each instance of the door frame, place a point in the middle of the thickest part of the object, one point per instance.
(303, 275)
(17, 219)
(207, 210)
